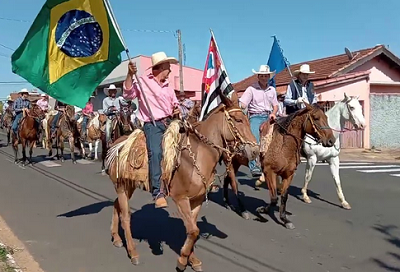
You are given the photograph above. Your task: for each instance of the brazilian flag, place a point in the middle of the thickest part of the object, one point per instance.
(70, 48)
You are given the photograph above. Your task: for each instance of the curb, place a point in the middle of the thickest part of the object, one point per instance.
(10, 260)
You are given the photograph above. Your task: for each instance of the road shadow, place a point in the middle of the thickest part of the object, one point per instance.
(157, 228)
(394, 240)
(87, 210)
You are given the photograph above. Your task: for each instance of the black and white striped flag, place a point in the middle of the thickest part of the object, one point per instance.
(215, 80)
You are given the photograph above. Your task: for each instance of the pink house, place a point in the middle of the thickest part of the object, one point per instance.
(191, 79)
(373, 74)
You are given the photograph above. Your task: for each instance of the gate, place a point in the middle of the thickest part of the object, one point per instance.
(348, 139)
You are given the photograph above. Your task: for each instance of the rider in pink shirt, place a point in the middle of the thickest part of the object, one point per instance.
(43, 103)
(87, 111)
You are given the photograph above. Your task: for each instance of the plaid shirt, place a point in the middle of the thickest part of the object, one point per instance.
(20, 104)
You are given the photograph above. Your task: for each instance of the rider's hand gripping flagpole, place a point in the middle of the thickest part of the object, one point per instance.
(114, 21)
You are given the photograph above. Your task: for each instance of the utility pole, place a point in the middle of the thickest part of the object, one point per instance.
(181, 90)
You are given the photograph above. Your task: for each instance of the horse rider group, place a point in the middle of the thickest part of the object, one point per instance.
(263, 103)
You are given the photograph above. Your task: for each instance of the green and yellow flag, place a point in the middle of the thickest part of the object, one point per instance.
(70, 48)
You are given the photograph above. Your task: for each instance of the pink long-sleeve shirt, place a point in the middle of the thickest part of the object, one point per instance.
(162, 98)
(43, 104)
(88, 109)
(258, 100)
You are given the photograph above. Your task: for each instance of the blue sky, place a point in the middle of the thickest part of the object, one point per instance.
(306, 29)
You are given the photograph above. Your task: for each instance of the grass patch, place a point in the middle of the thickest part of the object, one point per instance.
(4, 266)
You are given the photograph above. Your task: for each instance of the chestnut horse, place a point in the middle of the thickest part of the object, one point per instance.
(121, 125)
(66, 129)
(281, 143)
(189, 161)
(28, 132)
(93, 133)
(231, 170)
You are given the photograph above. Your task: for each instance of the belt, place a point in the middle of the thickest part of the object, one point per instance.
(163, 120)
(260, 113)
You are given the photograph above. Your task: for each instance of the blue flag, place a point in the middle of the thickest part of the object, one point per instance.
(276, 61)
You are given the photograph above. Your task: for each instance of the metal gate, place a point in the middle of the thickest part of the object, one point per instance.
(348, 139)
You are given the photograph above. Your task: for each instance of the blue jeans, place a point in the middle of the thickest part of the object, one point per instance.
(255, 123)
(55, 121)
(15, 123)
(84, 123)
(153, 141)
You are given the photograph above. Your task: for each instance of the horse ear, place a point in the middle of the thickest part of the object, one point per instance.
(308, 106)
(235, 98)
(346, 98)
(225, 100)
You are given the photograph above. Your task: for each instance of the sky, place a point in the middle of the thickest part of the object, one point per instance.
(307, 30)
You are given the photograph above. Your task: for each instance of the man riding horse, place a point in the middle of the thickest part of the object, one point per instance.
(60, 107)
(21, 104)
(7, 107)
(87, 112)
(111, 105)
(163, 105)
(261, 103)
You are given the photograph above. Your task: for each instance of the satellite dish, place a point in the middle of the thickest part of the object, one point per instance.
(348, 53)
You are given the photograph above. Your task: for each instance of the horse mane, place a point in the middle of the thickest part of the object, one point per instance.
(285, 122)
(171, 149)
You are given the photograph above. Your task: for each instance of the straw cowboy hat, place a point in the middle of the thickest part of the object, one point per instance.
(305, 69)
(24, 90)
(161, 57)
(112, 87)
(264, 70)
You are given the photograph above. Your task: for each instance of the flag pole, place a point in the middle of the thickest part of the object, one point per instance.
(119, 33)
(287, 65)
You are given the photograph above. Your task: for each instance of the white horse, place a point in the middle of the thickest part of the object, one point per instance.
(349, 109)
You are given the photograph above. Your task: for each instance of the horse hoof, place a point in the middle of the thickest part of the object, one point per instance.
(307, 200)
(346, 206)
(135, 260)
(118, 244)
(261, 209)
(197, 268)
(74, 162)
(289, 226)
(245, 215)
(180, 267)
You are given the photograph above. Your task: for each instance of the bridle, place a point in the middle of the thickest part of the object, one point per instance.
(231, 151)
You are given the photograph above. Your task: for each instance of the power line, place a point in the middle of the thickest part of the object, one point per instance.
(125, 29)
(6, 47)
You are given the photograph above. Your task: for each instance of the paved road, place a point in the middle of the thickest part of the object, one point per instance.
(63, 212)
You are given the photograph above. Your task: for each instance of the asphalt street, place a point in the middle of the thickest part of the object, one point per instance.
(62, 213)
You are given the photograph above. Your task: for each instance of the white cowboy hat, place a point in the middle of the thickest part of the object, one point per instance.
(43, 95)
(24, 90)
(305, 69)
(264, 70)
(161, 57)
(112, 87)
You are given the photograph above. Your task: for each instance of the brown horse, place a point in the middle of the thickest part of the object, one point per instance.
(7, 122)
(192, 154)
(28, 132)
(66, 129)
(280, 151)
(231, 171)
(121, 125)
(93, 132)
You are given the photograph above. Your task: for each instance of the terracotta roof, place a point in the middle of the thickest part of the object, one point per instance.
(324, 68)
(32, 97)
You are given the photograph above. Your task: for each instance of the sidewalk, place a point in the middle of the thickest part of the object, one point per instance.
(370, 155)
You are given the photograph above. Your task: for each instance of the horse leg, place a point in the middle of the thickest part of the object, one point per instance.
(195, 262)
(311, 162)
(187, 215)
(126, 224)
(270, 177)
(23, 144)
(117, 241)
(96, 148)
(15, 148)
(83, 151)
(71, 141)
(103, 154)
(284, 197)
(334, 165)
(90, 148)
(31, 151)
(8, 136)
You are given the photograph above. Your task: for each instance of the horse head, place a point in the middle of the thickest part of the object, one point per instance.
(37, 112)
(70, 112)
(354, 112)
(124, 117)
(316, 124)
(235, 129)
